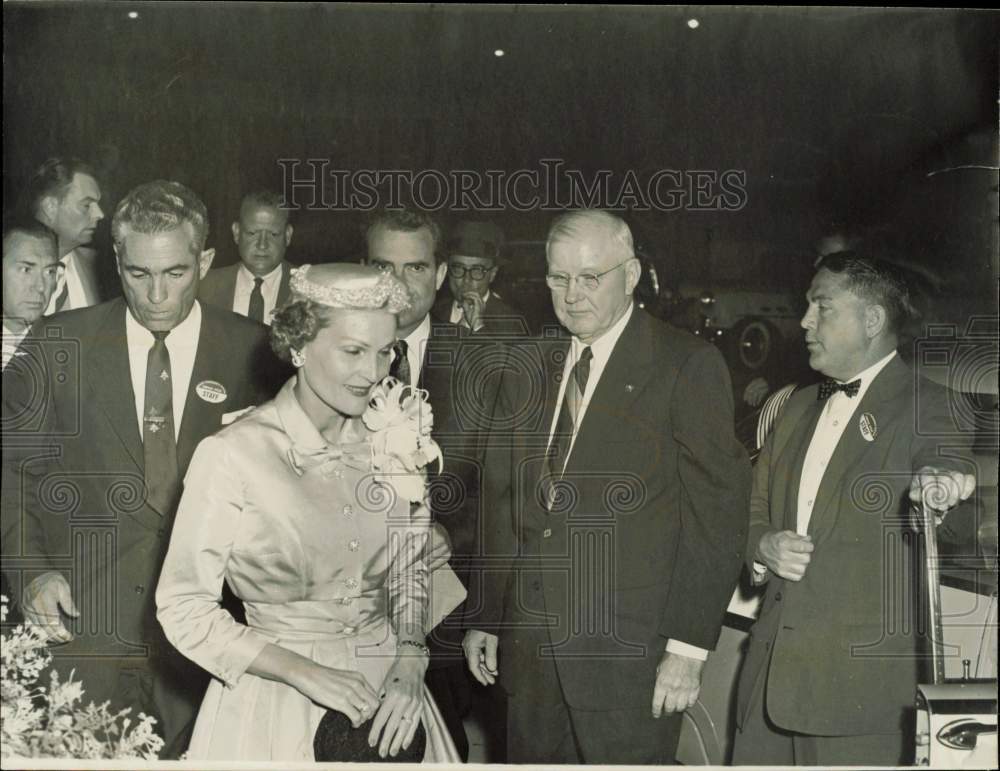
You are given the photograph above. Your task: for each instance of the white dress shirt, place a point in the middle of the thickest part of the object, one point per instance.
(11, 341)
(416, 344)
(182, 344)
(70, 278)
(601, 350)
(269, 289)
(836, 415)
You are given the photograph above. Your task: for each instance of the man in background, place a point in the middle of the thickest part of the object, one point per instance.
(473, 251)
(258, 284)
(64, 195)
(30, 273)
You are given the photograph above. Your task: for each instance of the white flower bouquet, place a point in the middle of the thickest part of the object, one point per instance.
(400, 419)
(51, 723)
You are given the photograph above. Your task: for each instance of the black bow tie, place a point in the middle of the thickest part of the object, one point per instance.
(829, 387)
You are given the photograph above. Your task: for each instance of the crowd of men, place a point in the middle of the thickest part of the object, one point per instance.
(599, 507)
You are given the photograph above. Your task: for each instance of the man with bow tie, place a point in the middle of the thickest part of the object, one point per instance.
(835, 654)
(101, 417)
(615, 509)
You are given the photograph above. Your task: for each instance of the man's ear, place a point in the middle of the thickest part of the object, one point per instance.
(205, 262)
(288, 235)
(442, 271)
(118, 261)
(875, 321)
(492, 274)
(633, 272)
(236, 233)
(48, 208)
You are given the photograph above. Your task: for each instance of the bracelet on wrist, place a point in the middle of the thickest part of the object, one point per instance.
(414, 644)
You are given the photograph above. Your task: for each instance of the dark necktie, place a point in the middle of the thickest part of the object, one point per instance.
(63, 297)
(400, 368)
(572, 399)
(829, 387)
(158, 443)
(256, 309)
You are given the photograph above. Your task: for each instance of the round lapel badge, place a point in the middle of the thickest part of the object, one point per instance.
(211, 391)
(868, 426)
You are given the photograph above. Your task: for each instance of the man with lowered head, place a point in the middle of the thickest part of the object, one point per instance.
(128, 389)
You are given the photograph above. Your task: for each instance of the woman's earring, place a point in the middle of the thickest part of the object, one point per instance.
(298, 358)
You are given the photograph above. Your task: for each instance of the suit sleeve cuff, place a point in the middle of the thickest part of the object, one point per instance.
(684, 649)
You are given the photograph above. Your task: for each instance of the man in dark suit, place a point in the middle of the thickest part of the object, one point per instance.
(427, 355)
(835, 654)
(615, 505)
(473, 252)
(258, 283)
(101, 418)
(64, 194)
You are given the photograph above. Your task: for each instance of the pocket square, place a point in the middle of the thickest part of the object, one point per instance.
(229, 417)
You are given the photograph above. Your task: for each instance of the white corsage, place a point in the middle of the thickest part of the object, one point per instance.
(400, 419)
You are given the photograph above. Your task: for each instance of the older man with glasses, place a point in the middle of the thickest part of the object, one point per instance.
(616, 517)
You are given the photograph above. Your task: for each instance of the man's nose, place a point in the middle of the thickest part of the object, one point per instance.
(97, 213)
(157, 291)
(572, 292)
(808, 320)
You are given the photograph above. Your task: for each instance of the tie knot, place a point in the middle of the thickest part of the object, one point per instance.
(257, 281)
(160, 335)
(829, 387)
(400, 347)
(586, 355)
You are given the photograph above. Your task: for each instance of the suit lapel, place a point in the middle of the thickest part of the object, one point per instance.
(284, 288)
(626, 372)
(110, 378)
(200, 418)
(853, 446)
(229, 292)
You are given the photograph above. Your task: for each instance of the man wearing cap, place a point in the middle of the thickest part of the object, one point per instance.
(473, 251)
(258, 284)
(99, 427)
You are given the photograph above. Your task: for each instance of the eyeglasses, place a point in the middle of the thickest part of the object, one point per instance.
(588, 281)
(476, 272)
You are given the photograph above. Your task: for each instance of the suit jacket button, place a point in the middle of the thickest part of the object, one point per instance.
(777, 596)
(547, 533)
(139, 588)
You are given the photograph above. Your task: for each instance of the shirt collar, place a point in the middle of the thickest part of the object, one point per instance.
(269, 279)
(9, 334)
(419, 335)
(185, 333)
(300, 429)
(867, 376)
(602, 347)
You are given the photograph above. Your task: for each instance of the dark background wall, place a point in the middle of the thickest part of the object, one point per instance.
(840, 118)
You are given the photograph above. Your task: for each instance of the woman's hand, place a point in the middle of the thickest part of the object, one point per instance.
(340, 689)
(402, 702)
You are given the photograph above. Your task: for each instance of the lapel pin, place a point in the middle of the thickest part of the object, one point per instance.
(629, 387)
(211, 391)
(868, 426)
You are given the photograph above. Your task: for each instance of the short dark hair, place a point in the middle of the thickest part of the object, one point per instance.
(52, 178)
(406, 220)
(876, 281)
(158, 207)
(268, 198)
(28, 226)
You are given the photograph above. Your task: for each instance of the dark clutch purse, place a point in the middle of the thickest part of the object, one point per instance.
(337, 741)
